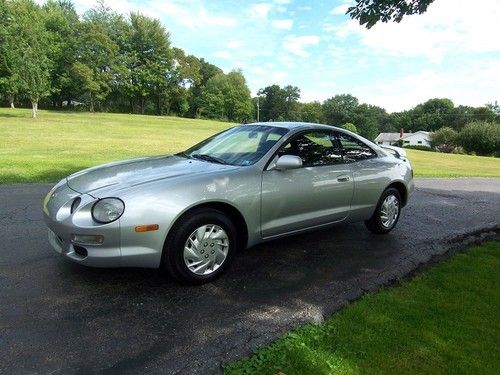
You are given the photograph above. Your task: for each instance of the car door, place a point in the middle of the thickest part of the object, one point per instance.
(369, 172)
(318, 193)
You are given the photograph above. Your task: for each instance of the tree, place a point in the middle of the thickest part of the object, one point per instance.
(85, 82)
(61, 22)
(480, 137)
(433, 114)
(483, 114)
(461, 116)
(104, 39)
(339, 109)
(151, 59)
(206, 71)
(8, 81)
(368, 119)
(279, 104)
(444, 139)
(396, 121)
(494, 107)
(226, 96)
(310, 112)
(238, 101)
(97, 52)
(351, 127)
(25, 40)
(369, 12)
(184, 74)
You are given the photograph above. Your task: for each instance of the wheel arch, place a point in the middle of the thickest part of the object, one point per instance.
(232, 212)
(401, 188)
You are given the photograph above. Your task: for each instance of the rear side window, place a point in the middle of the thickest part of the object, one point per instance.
(354, 149)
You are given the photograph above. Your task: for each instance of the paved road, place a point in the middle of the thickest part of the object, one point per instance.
(59, 317)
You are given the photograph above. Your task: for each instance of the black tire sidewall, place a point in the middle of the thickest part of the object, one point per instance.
(173, 251)
(376, 221)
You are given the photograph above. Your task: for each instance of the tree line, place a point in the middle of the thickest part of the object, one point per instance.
(108, 62)
(282, 103)
(105, 61)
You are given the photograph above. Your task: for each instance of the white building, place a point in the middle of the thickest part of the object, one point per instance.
(419, 138)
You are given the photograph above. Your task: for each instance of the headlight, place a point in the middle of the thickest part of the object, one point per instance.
(107, 210)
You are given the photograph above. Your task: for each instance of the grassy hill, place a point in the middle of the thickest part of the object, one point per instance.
(59, 143)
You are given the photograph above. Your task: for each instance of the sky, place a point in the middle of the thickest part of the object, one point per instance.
(451, 51)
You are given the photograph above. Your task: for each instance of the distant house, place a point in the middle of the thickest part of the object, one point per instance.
(419, 138)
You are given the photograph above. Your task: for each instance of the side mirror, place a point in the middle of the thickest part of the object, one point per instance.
(288, 162)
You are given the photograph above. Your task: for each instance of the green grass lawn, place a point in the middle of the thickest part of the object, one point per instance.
(436, 164)
(59, 143)
(444, 321)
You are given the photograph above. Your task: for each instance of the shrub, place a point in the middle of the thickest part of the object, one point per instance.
(480, 137)
(444, 139)
(459, 150)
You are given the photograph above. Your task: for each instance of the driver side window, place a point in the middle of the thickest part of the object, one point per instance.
(314, 148)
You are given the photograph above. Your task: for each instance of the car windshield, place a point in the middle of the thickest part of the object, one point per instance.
(241, 145)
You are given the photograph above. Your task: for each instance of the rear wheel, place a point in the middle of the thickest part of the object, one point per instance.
(200, 246)
(386, 213)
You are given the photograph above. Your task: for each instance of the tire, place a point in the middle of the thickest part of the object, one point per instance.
(376, 224)
(189, 248)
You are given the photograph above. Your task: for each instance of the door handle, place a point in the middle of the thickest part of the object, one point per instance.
(343, 178)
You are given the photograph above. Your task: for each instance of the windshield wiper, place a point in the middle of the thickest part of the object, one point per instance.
(183, 154)
(209, 158)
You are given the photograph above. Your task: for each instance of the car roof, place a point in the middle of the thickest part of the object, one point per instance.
(295, 125)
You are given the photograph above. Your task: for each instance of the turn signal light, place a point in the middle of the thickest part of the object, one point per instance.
(146, 228)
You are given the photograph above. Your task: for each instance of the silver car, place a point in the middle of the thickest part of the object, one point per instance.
(190, 212)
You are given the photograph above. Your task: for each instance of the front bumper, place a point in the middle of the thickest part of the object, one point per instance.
(62, 224)
(92, 256)
(121, 246)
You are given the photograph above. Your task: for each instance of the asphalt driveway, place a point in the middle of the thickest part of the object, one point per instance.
(58, 317)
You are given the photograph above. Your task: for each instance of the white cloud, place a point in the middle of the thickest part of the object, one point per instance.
(260, 10)
(191, 14)
(341, 9)
(123, 7)
(222, 55)
(330, 27)
(278, 77)
(234, 44)
(258, 70)
(282, 24)
(297, 44)
(474, 83)
(448, 27)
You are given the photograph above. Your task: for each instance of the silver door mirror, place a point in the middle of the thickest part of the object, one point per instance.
(288, 162)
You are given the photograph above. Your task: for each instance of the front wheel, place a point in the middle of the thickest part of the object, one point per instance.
(200, 247)
(386, 213)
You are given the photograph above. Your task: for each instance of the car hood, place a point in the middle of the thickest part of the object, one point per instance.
(127, 173)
